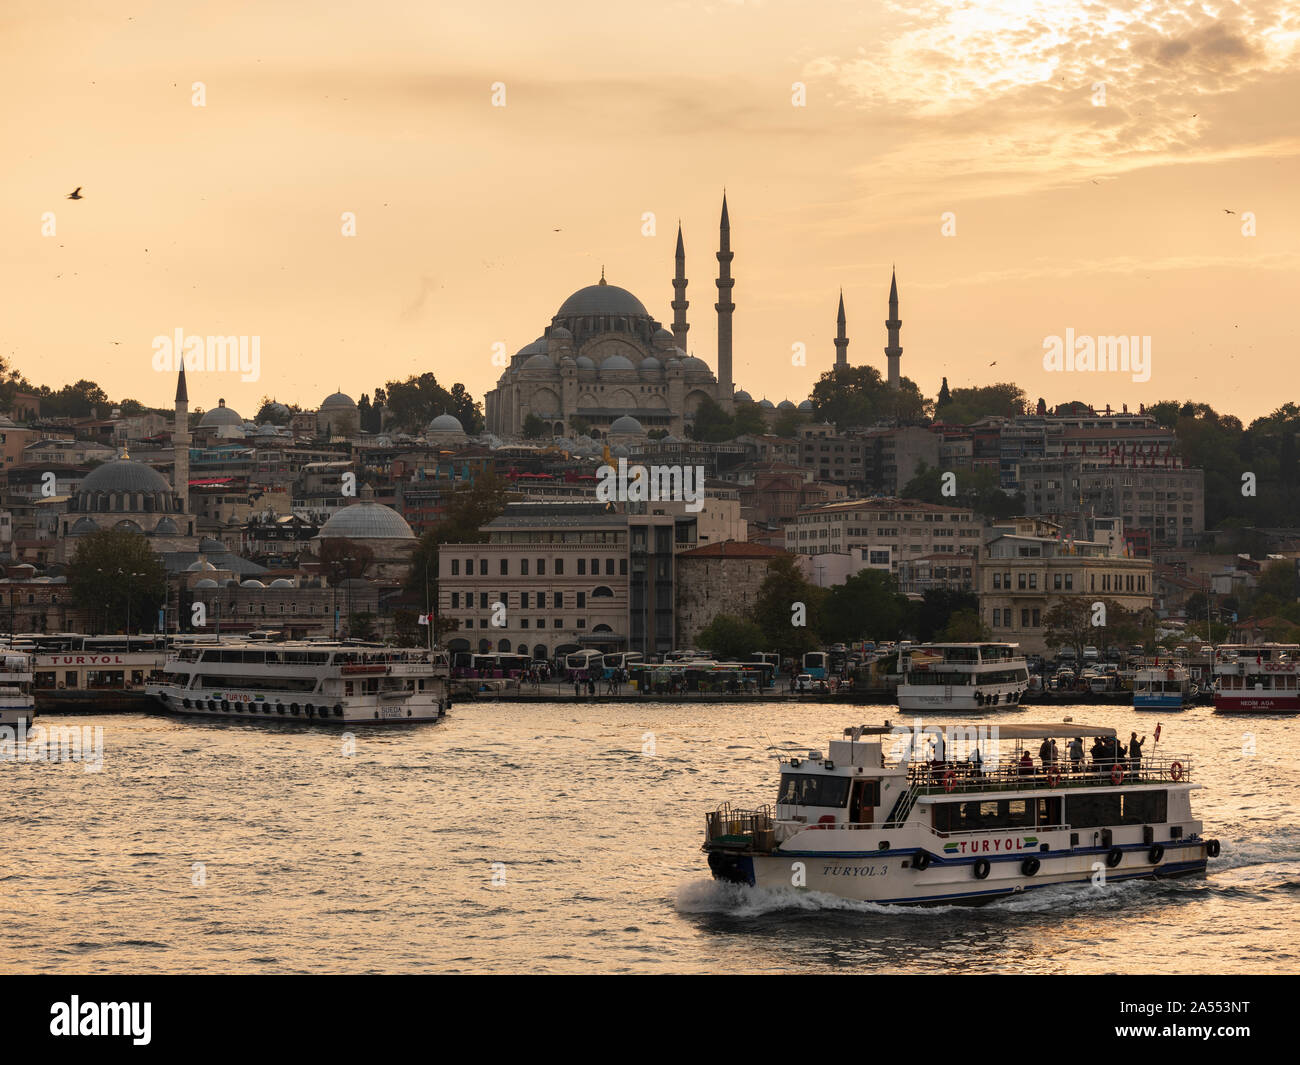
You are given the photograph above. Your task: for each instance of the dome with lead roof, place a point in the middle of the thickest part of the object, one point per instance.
(367, 521)
(602, 299)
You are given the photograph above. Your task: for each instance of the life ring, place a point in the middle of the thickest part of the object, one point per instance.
(1030, 866)
(1114, 857)
(981, 868)
(1176, 770)
(1155, 854)
(1117, 774)
(1053, 777)
(921, 860)
(1211, 848)
(1169, 674)
(949, 780)
(979, 698)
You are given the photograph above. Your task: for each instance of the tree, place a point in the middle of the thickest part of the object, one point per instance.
(730, 638)
(978, 490)
(1277, 580)
(787, 423)
(415, 402)
(866, 606)
(534, 428)
(342, 559)
(1068, 623)
(115, 575)
(712, 423)
(361, 626)
(943, 399)
(965, 627)
(857, 395)
(579, 426)
(466, 409)
(967, 405)
(776, 609)
(937, 606)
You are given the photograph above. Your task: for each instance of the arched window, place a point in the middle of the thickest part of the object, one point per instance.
(503, 645)
(522, 649)
(602, 591)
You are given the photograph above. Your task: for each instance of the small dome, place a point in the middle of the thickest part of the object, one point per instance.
(743, 397)
(281, 582)
(367, 521)
(446, 423)
(540, 361)
(252, 582)
(125, 475)
(662, 338)
(616, 362)
(619, 451)
(558, 332)
(626, 424)
(602, 299)
(693, 365)
(806, 405)
(166, 527)
(209, 544)
(338, 401)
(200, 566)
(220, 415)
(785, 404)
(206, 582)
(537, 347)
(650, 366)
(585, 363)
(267, 430)
(766, 404)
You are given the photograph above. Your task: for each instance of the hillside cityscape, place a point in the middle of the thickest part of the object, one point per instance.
(978, 513)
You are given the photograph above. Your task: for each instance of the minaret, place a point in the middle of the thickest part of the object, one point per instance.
(841, 341)
(181, 443)
(893, 352)
(724, 307)
(680, 327)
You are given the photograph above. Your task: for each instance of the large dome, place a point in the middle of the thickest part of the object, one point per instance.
(338, 401)
(367, 521)
(602, 298)
(616, 362)
(220, 415)
(446, 423)
(125, 475)
(626, 424)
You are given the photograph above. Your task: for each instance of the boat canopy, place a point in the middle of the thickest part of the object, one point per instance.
(1007, 732)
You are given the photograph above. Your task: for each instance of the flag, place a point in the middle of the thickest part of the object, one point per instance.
(426, 619)
(1158, 728)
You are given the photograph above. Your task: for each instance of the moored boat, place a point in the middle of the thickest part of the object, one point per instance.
(336, 683)
(961, 676)
(17, 706)
(1257, 679)
(1162, 687)
(872, 824)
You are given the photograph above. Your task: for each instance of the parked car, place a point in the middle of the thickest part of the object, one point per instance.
(1090, 654)
(1065, 654)
(803, 682)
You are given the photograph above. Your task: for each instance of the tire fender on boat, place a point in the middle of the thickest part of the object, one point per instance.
(981, 868)
(1114, 856)
(921, 860)
(1030, 866)
(1211, 848)
(1155, 854)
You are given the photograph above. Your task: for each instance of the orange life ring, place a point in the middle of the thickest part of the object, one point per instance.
(1176, 770)
(949, 780)
(1053, 777)
(1116, 773)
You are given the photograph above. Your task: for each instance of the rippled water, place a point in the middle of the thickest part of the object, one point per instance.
(384, 860)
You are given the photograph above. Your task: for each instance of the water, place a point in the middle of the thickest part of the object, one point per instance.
(383, 861)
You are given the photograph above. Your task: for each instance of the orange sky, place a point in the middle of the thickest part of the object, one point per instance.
(226, 218)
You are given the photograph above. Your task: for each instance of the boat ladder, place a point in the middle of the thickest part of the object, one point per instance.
(903, 807)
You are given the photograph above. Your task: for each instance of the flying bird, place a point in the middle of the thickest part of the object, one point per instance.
(75, 194)
(994, 362)
(1226, 211)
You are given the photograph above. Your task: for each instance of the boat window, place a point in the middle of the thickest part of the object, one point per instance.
(990, 813)
(1092, 811)
(1049, 810)
(1144, 807)
(808, 789)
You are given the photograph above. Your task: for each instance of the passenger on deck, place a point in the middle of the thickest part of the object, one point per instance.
(976, 763)
(1026, 764)
(1045, 753)
(1076, 753)
(1098, 753)
(1135, 751)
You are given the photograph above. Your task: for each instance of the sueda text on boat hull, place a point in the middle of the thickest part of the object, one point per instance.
(961, 831)
(328, 683)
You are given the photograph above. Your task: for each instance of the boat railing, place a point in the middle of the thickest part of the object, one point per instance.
(731, 825)
(935, 777)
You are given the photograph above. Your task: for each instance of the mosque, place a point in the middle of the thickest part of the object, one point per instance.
(605, 360)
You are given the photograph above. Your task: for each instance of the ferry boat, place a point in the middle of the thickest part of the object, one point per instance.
(17, 705)
(862, 824)
(961, 676)
(95, 674)
(1257, 679)
(336, 683)
(1162, 687)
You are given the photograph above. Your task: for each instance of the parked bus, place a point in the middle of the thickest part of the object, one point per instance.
(585, 662)
(670, 678)
(815, 664)
(618, 660)
(467, 664)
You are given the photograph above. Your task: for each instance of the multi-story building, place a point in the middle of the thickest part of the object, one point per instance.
(883, 532)
(1024, 570)
(955, 573)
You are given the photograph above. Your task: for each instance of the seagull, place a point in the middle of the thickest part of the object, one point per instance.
(75, 194)
(1226, 211)
(994, 362)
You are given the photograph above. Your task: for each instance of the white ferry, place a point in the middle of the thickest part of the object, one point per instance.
(1257, 679)
(1162, 687)
(330, 682)
(17, 704)
(961, 676)
(863, 826)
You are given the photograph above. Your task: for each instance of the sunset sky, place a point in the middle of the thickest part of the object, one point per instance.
(474, 222)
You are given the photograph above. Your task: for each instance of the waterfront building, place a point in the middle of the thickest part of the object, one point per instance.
(880, 532)
(718, 578)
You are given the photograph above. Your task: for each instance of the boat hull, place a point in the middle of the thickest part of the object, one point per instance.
(1258, 703)
(419, 708)
(890, 878)
(1159, 702)
(918, 699)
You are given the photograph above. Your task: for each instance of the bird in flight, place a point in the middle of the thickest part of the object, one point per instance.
(994, 362)
(75, 194)
(1226, 211)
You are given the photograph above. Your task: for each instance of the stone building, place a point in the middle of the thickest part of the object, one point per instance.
(722, 578)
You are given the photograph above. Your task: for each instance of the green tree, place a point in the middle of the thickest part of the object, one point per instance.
(730, 638)
(965, 627)
(787, 424)
(937, 606)
(866, 606)
(852, 396)
(534, 428)
(967, 405)
(579, 426)
(1068, 623)
(115, 576)
(776, 609)
(1277, 580)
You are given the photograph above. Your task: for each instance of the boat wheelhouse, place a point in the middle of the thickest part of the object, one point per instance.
(336, 683)
(870, 822)
(17, 704)
(961, 676)
(1257, 679)
(1162, 687)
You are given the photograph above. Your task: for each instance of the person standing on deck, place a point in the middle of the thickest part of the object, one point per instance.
(1076, 753)
(1135, 751)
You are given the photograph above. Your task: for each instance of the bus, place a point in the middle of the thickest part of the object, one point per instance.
(618, 660)
(468, 664)
(701, 676)
(815, 664)
(586, 662)
(839, 656)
